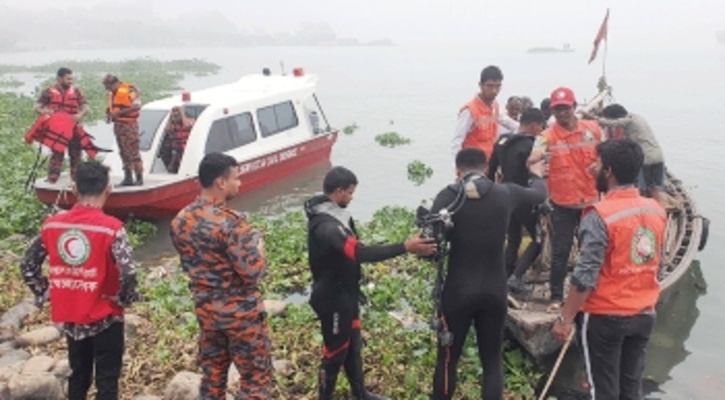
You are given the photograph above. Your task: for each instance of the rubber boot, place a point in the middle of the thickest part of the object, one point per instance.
(127, 179)
(139, 179)
(328, 381)
(354, 370)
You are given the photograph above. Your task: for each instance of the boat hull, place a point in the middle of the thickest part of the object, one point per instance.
(162, 200)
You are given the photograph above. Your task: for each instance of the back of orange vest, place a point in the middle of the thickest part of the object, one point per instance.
(628, 282)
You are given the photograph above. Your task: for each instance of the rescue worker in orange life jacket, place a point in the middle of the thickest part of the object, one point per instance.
(124, 103)
(176, 134)
(614, 283)
(569, 144)
(63, 96)
(479, 119)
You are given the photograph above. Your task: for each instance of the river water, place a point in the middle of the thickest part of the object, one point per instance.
(417, 92)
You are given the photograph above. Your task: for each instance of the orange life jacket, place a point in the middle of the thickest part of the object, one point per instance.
(56, 132)
(122, 100)
(627, 282)
(68, 100)
(179, 136)
(570, 182)
(485, 125)
(83, 275)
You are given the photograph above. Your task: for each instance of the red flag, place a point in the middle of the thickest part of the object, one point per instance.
(602, 35)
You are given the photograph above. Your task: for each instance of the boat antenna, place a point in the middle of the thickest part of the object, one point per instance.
(319, 107)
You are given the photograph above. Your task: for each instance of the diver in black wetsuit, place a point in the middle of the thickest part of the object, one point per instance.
(511, 153)
(475, 285)
(335, 254)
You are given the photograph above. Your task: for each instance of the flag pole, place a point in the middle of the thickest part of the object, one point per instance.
(606, 43)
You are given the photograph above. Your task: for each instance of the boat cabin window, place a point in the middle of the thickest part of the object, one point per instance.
(148, 124)
(229, 133)
(277, 118)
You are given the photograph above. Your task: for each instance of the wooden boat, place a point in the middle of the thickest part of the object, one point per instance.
(268, 123)
(529, 324)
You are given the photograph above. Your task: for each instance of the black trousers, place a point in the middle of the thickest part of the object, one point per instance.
(343, 348)
(487, 315)
(564, 221)
(518, 265)
(614, 354)
(102, 352)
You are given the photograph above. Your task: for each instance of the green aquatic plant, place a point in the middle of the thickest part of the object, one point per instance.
(350, 129)
(418, 172)
(391, 139)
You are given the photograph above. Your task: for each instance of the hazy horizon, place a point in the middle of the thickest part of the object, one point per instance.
(645, 24)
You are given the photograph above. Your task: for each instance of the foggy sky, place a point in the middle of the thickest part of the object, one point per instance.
(634, 24)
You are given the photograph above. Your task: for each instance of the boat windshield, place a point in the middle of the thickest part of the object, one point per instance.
(148, 125)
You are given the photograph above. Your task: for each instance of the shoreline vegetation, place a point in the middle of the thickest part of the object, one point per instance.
(399, 357)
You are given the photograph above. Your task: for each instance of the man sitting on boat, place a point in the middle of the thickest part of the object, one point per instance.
(176, 134)
(614, 283)
(61, 97)
(621, 123)
(570, 146)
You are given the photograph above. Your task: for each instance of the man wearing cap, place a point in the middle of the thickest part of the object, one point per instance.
(124, 103)
(570, 144)
(479, 119)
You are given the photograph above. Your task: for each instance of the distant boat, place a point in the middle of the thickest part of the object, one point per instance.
(566, 48)
(721, 37)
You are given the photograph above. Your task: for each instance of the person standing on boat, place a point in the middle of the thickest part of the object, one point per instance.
(92, 278)
(526, 103)
(224, 257)
(651, 178)
(614, 286)
(478, 120)
(511, 154)
(546, 109)
(63, 96)
(474, 291)
(176, 134)
(570, 146)
(124, 103)
(335, 255)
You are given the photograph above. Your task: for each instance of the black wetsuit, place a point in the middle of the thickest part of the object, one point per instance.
(475, 285)
(335, 255)
(511, 152)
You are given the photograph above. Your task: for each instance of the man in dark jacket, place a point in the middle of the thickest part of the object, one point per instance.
(510, 155)
(335, 255)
